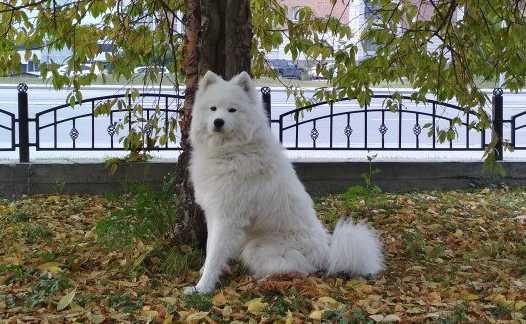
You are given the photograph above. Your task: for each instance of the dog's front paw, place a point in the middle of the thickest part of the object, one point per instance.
(196, 290)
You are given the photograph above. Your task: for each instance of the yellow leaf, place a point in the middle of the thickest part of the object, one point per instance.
(66, 300)
(519, 305)
(170, 300)
(196, 316)
(51, 267)
(500, 300)
(470, 297)
(495, 297)
(519, 317)
(168, 320)
(150, 314)
(458, 233)
(364, 289)
(256, 306)
(74, 308)
(227, 311)
(328, 302)
(184, 314)
(316, 315)
(372, 310)
(355, 282)
(219, 299)
(290, 319)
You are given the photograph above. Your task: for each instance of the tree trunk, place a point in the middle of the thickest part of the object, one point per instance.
(226, 37)
(218, 37)
(238, 38)
(190, 227)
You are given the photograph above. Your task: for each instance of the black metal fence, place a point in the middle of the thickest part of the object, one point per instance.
(332, 125)
(105, 125)
(342, 125)
(362, 116)
(99, 130)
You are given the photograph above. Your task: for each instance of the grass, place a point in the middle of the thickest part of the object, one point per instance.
(19, 216)
(35, 232)
(125, 302)
(200, 302)
(451, 257)
(178, 260)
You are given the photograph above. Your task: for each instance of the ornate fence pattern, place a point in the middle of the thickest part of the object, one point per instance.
(335, 125)
(105, 125)
(362, 117)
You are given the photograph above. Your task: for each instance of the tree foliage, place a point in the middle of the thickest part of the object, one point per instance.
(450, 52)
(139, 32)
(474, 43)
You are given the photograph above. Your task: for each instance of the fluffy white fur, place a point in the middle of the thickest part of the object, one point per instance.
(256, 208)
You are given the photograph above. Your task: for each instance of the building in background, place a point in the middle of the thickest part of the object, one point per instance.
(47, 56)
(43, 56)
(363, 11)
(355, 13)
(321, 8)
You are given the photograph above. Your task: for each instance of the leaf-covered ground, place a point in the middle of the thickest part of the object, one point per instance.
(451, 257)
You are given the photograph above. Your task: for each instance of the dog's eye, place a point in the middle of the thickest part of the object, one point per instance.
(232, 110)
(213, 108)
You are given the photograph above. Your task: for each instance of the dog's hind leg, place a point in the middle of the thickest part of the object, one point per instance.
(224, 241)
(266, 256)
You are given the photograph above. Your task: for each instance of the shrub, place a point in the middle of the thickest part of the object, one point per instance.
(142, 214)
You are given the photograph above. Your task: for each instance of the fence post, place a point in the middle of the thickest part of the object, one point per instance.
(23, 124)
(497, 113)
(265, 94)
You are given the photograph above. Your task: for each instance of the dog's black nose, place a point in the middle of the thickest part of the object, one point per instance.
(218, 123)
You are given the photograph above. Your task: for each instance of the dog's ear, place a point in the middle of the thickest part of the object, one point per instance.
(208, 79)
(244, 81)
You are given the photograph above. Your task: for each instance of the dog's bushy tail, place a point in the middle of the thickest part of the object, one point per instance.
(355, 249)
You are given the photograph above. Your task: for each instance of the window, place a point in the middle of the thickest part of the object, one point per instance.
(370, 15)
(32, 66)
(294, 13)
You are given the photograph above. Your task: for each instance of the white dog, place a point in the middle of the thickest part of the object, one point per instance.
(256, 208)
